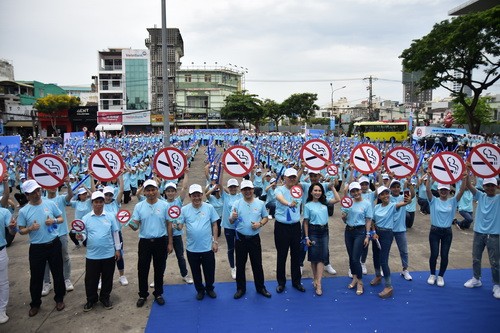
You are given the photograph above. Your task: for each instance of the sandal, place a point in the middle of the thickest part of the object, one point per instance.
(353, 284)
(386, 293)
(318, 290)
(376, 281)
(360, 290)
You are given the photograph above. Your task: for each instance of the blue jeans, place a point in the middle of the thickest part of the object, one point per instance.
(424, 205)
(437, 237)
(319, 251)
(402, 243)
(230, 237)
(354, 245)
(179, 253)
(492, 244)
(381, 257)
(467, 221)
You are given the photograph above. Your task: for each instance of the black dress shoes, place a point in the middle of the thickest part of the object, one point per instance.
(265, 293)
(239, 294)
(299, 287)
(280, 289)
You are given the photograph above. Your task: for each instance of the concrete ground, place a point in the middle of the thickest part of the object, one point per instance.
(126, 317)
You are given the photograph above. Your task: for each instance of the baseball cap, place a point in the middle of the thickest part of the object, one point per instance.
(395, 181)
(22, 176)
(97, 195)
(81, 190)
(313, 172)
(364, 180)
(170, 184)
(108, 189)
(273, 180)
(195, 188)
(258, 170)
(444, 187)
(290, 172)
(246, 184)
(382, 189)
(232, 182)
(493, 181)
(268, 173)
(30, 185)
(150, 182)
(353, 186)
(385, 176)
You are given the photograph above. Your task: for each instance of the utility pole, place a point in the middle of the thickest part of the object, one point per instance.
(164, 59)
(370, 96)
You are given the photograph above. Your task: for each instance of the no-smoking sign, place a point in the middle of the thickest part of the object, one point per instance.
(174, 212)
(48, 170)
(366, 158)
(485, 160)
(332, 170)
(447, 167)
(346, 202)
(238, 161)
(123, 215)
(296, 191)
(77, 226)
(401, 161)
(315, 154)
(106, 164)
(170, 163)
(3, 168)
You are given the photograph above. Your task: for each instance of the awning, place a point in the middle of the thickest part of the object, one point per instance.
(108, 127)
(19, 124)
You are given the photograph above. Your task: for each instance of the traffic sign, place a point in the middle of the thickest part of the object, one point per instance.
(419, 132)
(366, 158)
(346, 202)
(447, 167)
(238, 161)
(106, 164)
(170, 163)
(3, 169)
(315, 153)
(296, 191)
(123, 215)
(174, 212)
(48, 170)
(332, 170)
(77, 226)
(401, 161)
(485, 160)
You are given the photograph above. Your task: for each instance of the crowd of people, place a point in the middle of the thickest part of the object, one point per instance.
(383, 207)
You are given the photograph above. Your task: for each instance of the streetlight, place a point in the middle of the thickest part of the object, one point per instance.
(334, 90)
(206, 104)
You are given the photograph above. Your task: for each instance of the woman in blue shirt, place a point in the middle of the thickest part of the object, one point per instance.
(440, 236)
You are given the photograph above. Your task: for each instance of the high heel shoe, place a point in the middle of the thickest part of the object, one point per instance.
(386, 293)
(353, 284)
(318, 290)
(360, 290)
(376, 281)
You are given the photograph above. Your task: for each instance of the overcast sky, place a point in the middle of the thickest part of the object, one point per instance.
(288, 46)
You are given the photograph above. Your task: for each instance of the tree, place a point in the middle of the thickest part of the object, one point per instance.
(274, 111)
(300, 105)
(243, 107)
(52, 105)
(482, 113)
(463, 44)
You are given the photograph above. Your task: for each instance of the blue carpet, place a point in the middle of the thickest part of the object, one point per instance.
(415, 307)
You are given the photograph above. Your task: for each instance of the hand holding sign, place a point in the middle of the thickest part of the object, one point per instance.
(484, 160)
(447, 167)
(400, 162)
(106, 164)
(366, 158)
(238, 161)
(316, 154)
(48, 170)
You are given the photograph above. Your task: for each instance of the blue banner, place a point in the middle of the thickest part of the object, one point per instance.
(10, 143)
(332, 123)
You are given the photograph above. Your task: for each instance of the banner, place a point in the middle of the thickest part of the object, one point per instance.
(10, 144)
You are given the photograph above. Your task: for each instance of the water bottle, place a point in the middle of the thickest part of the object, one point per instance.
(52, 227)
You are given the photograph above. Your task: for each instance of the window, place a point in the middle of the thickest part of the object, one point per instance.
(208, 78)
(187, 78)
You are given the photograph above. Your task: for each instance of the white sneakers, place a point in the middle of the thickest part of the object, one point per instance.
(69, 285)
(330, 269)
(3, 318)
(440, 281)
(233, 273)
(187, 279)
(472, 283)
(47, 287)
(406, 275)
(123, 280)
(496, 291)
(349, 273)
(363, 268)
(99, 285)
(431, 279)
(152, 285)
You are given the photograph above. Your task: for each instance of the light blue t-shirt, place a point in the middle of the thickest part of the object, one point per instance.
(112, 209)
(487, 214)
(39, 213)
(176, 202)
(61, 203)
(465, 203)
(153, 218)
(383, 216)
(228, 200)
(399, 215)
(316, 213)
(248, 213)
(442, 211)
(358, 213)
(218, 204)
(82, 208)
(285, 214)
(5, 217)
(412, 206)
(99, 231)
(198, 223)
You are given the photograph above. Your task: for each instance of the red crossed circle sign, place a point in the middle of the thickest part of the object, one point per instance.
(170, 163)
(315, 153)
(123, 215)
(366, 158)
(332, 170)
(238, 161)
(401, 161)
(48, 170)
(447, 167)
(174, 212)
(419, 132)
(106, 164)
(296, 191)
(77, 225)
(3, 168)
(485, 160)
(346, 202)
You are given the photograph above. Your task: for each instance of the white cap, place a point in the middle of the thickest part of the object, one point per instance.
(150, 182)
(258, 170)
(385, 176)
(364, 179)
(268, 173)
(30, 185)
(273, 180)
(97, 195)
(72, 176)
(22, 176)
(195, 188)
(214, 177)
(382, 189)
(170, 184)
(444, 187)
(290, 172)
(354, 185)
(314, 172)
(232, 182)
(493, 181)
(108, 189)
(81, 190)
(394, 181)
(246, 183)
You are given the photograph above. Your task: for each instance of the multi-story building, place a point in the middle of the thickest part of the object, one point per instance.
(200, 95)
(411, 93)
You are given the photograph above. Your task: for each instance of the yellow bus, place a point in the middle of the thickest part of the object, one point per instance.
(381, 131)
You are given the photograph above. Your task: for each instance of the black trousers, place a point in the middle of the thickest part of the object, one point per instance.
(249, 246)
(197, 262)
(287, 236)
(39, 255)
(95, 269)
(156, 249)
